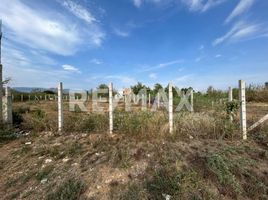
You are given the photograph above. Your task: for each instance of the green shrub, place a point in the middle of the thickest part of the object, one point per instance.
(6, 133)
(221, 167)
(17, 118)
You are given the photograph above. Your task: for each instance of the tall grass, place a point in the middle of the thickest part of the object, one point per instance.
(212, 124)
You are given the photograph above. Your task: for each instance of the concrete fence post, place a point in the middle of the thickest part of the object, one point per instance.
(21, 98)
(60, 108)
(111, 108)
(192, 100)
(1, 93)
(8, 107)
(29, 97)
(243, 116)
(230, 99)
(149, 101)
(230, 94)
(158, 100)
(170, 108)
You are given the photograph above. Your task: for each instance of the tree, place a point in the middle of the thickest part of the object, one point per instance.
(103, 86)
(210, 90)
(49, 92)
(136, 88)
(157, 87)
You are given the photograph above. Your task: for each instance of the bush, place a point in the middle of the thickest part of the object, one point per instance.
(80, 122)
(221, 167)
(6, 133)
(38, 120)
(176, 184)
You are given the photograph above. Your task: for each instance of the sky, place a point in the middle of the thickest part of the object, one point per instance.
(82, 43)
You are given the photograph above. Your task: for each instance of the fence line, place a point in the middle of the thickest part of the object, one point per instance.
(7, 100)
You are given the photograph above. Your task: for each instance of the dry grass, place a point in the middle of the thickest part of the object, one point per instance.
(213, 124)
(203, 159)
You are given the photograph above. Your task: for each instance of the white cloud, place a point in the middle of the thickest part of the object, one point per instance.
(218, 56)
(70, 68)
(121, 33)
(24, 56)
(152, 76)
(78, 11)
(202, 5)
(201, 47)
(34, 65)
(121, 78)
(47, 31)
(181, 69)
(96, 61)
(198, 59)
(161, 65)
(183, 78)
(137, 3)
(242, 30)
(193, 5)
(241, 7)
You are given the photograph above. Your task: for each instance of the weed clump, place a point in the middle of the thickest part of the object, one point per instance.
(221, 166)
(176, 184)
(70, 189)
(6, 133)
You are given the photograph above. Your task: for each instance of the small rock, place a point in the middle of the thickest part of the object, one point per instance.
(28, 143)
(84, 135)
(74, 164)
(166, 196)
(65, 160)
(98, 187)
(44, 180)
(48, 161)
(56, 144)
(191, 137)
(27, 133)
(108, 181)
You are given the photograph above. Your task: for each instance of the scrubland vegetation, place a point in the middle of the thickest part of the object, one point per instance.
(204, 158)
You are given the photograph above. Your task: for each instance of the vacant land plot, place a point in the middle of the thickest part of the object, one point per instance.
(204, 158)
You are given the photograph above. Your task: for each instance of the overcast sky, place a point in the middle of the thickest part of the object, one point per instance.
(84, 43)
